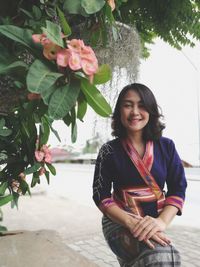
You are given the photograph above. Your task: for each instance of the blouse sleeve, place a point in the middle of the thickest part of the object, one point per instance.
(103, 174)
(176, 180)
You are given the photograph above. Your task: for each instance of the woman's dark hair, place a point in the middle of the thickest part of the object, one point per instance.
(153, 129)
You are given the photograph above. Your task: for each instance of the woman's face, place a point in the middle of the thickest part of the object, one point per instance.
(134, 116)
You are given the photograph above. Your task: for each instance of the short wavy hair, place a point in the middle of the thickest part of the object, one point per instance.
(153, 129)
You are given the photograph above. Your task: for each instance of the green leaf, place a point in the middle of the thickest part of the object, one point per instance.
(47, 92)
(45, 131)
(55, 132)
(47, 176)
(3, 188)
(63, 99)
(74, 7)
(65, 26)
(27, 13)
(35, 179)
(24, 187)
(74, 133)
(23, 36)
(15, 199)
(73, 126)
(4, 55)
(53, 32)
(92, 6)
(103, 75)
(5, 200)
(40, 77)
(95, 99)
(67, 119)
(37, 12)
(33, 168)
(51, 168)
(15, 65)
(82, 107)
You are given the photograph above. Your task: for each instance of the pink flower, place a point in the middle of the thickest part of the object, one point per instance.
(47, 154)
(50, 50)
(39, 155)
(111, 3)
(76, 45)
(38, 37)
(48, 158)
(62, 58)
(42, 171)
(89, 67)
(74, 61)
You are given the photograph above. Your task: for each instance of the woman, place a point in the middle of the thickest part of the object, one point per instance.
(138, 164)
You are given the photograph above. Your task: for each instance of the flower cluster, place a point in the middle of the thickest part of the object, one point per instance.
(77, 56)
(43, 155)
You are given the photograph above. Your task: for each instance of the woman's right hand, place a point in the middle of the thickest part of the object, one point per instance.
(159, 237)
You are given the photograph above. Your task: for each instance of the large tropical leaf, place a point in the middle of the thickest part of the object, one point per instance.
(65, 26)
(40, 77)
(74, 7)
(63, 99)
(82, 107)
(92, 6)
(5, 199)
(103, 75)
(5, 68)
(23, 36)
(95, 98)
(53, 32)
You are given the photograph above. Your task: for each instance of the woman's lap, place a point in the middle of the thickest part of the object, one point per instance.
(132, 253)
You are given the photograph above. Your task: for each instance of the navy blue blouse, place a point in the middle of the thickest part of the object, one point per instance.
(114, 171)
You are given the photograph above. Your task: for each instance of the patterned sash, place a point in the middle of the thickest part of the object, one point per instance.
(144, 166)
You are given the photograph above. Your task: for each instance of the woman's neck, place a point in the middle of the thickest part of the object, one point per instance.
(136, 139)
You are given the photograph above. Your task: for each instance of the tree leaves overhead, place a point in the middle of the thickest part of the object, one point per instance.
(95, 99)
(40, 77)
(176, 22)
(63, 99)
(23, 36)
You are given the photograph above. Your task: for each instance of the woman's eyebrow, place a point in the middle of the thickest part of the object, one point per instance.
(130, 101)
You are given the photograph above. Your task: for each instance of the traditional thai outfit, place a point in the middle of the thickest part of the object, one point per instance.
(137, 185)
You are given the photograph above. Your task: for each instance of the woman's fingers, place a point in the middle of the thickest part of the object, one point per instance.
(141, 225)
(164, 237)
(148, 232)
(149, 243)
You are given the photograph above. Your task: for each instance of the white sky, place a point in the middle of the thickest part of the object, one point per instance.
(175, 84)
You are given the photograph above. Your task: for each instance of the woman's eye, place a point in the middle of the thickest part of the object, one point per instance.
(127, 105)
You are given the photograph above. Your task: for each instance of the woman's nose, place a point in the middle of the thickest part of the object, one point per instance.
(135, 110)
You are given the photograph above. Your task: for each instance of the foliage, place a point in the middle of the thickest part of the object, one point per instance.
(46, 77)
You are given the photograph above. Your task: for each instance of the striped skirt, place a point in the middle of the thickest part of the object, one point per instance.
(132, 253)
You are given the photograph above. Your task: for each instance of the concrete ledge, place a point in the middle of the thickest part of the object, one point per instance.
(43, 248)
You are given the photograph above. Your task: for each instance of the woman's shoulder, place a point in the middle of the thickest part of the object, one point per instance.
(166, 144)
(165, 140)
(111, 144)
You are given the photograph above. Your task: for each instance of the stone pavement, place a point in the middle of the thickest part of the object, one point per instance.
(79, 227)
(186, 240)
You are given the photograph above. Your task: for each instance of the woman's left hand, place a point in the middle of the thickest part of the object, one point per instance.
(147, 227)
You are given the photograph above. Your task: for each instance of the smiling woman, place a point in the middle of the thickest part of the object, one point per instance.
(130, 175)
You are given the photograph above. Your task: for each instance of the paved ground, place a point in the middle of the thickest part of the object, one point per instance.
(186, 239)
(66, 207)
(79, 227)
